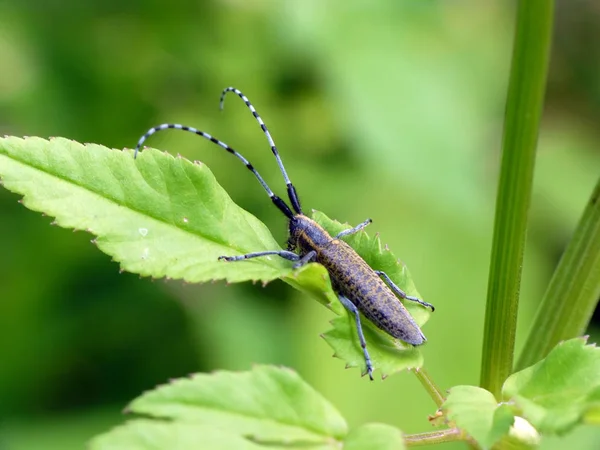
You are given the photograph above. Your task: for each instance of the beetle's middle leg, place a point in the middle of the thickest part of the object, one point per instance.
(401, 293)
(356, 229)
(309, 257)
(361, 337)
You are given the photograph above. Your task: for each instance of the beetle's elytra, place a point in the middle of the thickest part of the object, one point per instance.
(358, 286)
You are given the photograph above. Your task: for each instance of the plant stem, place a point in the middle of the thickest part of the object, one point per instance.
(573, 292)
(524, 104)
(434, 437)
(429, 386)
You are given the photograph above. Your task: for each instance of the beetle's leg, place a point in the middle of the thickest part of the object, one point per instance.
(291, 256)
(361, 337)
(401, 293)
(310, 256)
(356, 229)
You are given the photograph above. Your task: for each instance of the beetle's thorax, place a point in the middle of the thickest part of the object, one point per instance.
(306, 234)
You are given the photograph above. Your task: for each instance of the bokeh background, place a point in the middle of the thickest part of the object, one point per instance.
(391, 110)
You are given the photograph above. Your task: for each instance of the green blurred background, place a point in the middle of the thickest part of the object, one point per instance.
(392, 112)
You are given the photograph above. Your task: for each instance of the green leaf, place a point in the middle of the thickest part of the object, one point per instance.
(388, 354)
(558, 392)
(476, 411)
(163, 216)
(374, 436)
(145, 434)
(268, 404)
(158, 216)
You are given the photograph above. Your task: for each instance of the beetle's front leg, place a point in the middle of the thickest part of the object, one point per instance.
(290, 256)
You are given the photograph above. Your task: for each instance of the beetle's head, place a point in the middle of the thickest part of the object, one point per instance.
(306, 234)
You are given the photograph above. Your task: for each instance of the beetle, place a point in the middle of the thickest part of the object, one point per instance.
(359, 288)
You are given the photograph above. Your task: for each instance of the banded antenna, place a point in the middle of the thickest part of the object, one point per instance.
(279, 203)
(291, 190)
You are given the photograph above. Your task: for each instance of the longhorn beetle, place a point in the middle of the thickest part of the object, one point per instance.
(357, 285)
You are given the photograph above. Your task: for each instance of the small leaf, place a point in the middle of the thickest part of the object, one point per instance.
(269, 405)
(145, 434)
(374, 436)
(388, 354)
(556, 393)
(476, 411)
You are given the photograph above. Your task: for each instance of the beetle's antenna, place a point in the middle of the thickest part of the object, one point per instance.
(293, 196)
(283, 207)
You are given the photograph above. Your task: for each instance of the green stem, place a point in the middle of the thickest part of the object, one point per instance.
(573, 292)
(435, 437)
(524, 104)
(429, 386)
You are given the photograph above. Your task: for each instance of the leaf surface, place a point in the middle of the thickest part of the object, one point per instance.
(560, 391)
(158, 215)
(268, 404)
(145, 434)
(375, 436)
(476, 411)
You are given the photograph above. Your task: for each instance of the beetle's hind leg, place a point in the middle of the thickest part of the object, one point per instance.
(291, 256)
(356, 229)
(361, 337)
(401, 293)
